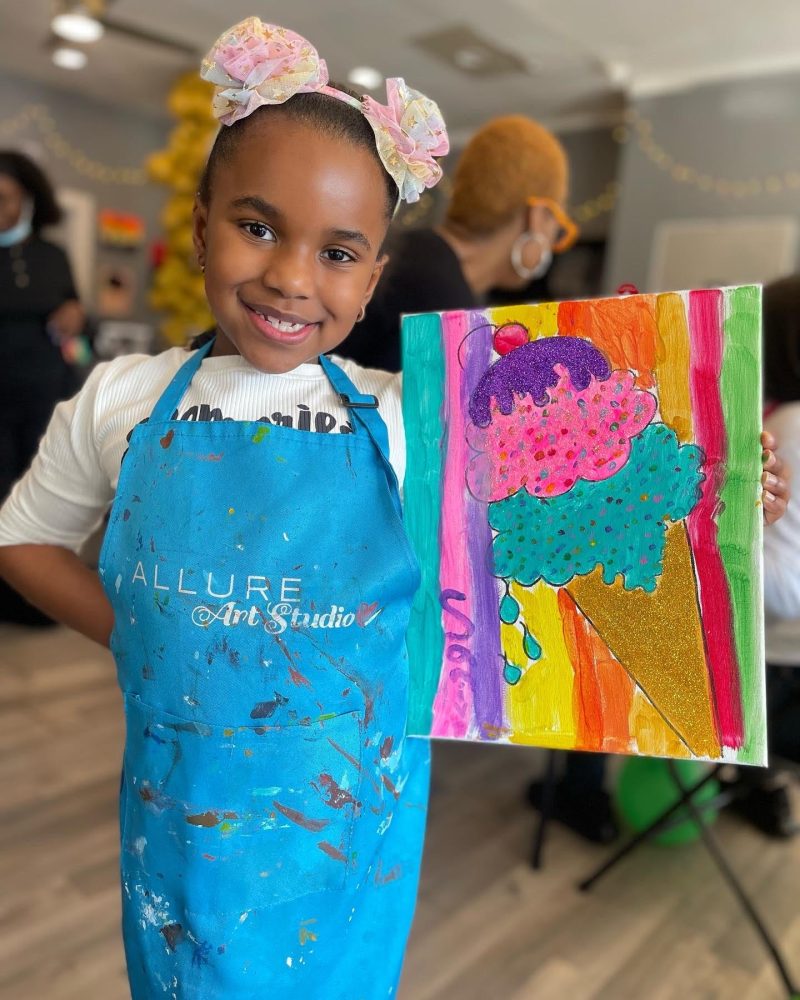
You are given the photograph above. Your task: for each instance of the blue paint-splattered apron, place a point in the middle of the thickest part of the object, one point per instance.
(272, 811)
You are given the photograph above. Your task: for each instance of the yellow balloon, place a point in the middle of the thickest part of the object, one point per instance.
(198, 286)
(158, 166)
(174, 331)
(177, 212)
(177, 287)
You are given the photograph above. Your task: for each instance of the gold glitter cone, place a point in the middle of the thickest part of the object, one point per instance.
(658, 639)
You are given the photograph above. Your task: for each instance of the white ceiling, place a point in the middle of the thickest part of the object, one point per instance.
(583, 54)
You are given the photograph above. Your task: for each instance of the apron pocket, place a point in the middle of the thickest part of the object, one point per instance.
(227, 820)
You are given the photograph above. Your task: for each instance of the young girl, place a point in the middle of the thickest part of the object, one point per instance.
(257, 579)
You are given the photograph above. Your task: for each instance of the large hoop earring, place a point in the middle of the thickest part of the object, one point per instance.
(529, 273)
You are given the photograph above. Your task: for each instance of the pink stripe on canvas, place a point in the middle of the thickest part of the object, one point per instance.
(453, 705)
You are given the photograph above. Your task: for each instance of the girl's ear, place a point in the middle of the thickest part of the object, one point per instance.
(377, 271)
(199, 228)
(541, 220)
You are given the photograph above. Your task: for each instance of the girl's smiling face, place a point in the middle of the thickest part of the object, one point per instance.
(290, 241)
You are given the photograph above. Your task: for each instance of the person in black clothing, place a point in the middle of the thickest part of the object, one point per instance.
(423, 275)
(39, 309)
(504, 221)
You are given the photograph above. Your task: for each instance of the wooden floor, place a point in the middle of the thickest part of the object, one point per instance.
(661, 926)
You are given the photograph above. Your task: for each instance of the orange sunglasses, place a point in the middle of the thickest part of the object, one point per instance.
(569, 229)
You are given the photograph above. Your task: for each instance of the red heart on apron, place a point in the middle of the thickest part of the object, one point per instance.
(366, 612)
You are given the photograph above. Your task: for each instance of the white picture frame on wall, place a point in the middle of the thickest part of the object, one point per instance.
(713, 253)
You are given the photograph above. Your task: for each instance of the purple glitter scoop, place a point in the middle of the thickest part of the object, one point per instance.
(529, 370)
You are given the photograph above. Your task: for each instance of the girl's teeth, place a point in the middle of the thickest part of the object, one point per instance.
(283, 326)
(280, 324)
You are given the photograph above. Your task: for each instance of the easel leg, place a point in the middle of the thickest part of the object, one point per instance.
(730, 877)
(648, 831)
(546, 810)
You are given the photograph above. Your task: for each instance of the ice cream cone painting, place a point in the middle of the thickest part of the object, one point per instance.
(583, 491)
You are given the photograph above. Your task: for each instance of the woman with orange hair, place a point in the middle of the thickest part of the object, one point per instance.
(505, 220)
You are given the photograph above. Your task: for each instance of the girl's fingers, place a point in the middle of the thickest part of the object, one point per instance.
(772, 463)
(774, 507)
(776, 491)
(769, 457)
(774, 479)
(776, 486)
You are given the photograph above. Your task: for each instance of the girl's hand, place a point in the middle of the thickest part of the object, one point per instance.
(775, 481)
(55, 580)
(67, 321)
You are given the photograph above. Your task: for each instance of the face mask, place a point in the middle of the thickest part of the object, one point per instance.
(21, 230)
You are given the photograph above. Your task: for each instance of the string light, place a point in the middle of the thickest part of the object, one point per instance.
(636, 128)
(599, 205)
(639, 129)
(38, 116)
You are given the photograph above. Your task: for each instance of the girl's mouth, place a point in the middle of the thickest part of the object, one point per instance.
(285, 331)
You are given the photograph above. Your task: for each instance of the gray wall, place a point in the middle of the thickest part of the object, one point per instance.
(104, 133)
(743, 129)
(593, 158)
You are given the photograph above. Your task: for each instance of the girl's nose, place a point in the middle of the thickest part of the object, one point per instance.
(290, 272)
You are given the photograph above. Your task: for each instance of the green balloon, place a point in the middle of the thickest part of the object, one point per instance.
(645, 789)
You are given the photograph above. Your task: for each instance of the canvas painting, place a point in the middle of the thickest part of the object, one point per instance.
(583, 494)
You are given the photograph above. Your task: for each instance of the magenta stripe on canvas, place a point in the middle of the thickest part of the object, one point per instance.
(705, 322)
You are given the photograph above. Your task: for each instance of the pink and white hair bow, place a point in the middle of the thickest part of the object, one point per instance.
(253, 64)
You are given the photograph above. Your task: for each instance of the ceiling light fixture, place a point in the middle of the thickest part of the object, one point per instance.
(69, 58)
(79, 22)
(365, 76)
(472, 53)
(469, 59)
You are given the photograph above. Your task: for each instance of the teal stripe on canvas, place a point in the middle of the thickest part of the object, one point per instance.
(740, 521)
(423, 405)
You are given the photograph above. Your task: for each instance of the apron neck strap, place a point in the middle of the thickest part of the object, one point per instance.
(362, 408)
(176, 390)
(364, 412)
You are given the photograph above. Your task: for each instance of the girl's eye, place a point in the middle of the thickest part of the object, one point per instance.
(260, 230)
(337, 256)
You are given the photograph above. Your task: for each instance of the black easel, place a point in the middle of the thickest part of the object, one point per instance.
(545, 808)
(686, 800)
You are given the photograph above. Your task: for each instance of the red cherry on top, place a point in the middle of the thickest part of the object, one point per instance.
(510, 336)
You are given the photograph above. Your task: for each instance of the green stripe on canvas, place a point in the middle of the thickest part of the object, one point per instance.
(423, 403)
(740, 522)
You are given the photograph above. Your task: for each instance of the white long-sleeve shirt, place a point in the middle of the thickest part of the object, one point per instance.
(72, 480)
